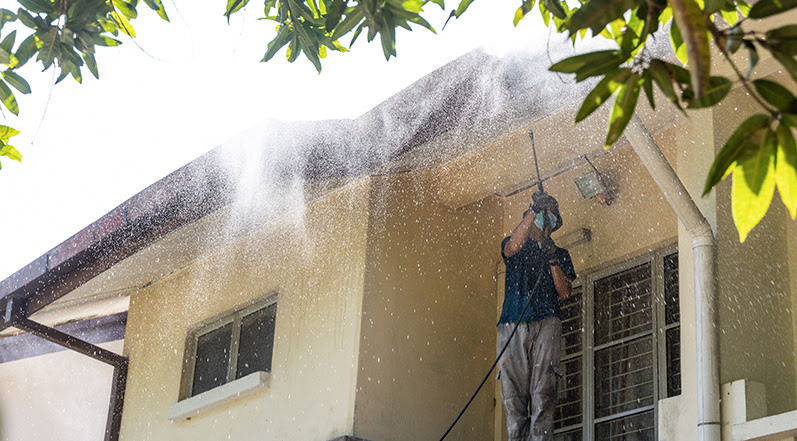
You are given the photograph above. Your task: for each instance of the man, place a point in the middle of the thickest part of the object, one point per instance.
(529, 369)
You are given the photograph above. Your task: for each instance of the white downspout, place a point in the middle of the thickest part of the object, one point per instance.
(704, 251)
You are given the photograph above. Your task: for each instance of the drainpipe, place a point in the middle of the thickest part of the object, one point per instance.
(704, 252)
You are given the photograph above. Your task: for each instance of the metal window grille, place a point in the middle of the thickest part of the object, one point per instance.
(230, 347)
(620, 350)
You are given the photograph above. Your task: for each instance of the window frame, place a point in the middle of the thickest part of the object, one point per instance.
(233, 316)
(657, 333)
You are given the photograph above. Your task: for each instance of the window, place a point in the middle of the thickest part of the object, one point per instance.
(620, 350)
(238, 344)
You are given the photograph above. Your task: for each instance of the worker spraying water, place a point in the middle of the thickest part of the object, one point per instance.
(529, 370)
(538, 276)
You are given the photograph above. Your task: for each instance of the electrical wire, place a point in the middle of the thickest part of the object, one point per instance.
(484, 380)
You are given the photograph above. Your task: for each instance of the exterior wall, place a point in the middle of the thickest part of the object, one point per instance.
(428, 329)
(67, 390)
(756, 318)
(791, 240)
(315, 262)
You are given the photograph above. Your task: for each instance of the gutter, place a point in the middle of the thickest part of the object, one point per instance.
(704, 252)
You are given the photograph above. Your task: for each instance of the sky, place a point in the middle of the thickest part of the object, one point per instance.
(187, 86)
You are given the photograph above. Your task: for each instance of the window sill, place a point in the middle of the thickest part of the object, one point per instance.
(217, 396)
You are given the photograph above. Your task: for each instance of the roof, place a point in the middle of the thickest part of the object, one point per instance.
(442, 115)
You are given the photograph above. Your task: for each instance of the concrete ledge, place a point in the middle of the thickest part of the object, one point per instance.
(348, 438)
(219, 395)
(780, 427)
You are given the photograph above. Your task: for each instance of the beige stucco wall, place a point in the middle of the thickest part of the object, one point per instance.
(791, 240)
(428, 329)
(756, 318)
(61, 396)
(314, 260)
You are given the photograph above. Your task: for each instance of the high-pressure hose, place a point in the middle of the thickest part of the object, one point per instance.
(547, 227)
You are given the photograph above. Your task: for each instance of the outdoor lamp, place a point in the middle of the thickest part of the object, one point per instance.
(592, 185)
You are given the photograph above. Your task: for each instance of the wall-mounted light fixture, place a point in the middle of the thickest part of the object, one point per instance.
(593, 185)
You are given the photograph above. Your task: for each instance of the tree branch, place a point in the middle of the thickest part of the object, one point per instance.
(718, 37)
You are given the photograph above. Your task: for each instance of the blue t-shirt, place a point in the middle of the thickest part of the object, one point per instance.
(522, 271)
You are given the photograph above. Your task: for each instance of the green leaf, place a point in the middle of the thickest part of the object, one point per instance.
(766, 8)
(91, 63)
(7, 132)
(48, 46)
(16, 81)
(26, 18)
(8, 43)
(102, 40)
(65, 69)
(6, 16)
(743, 7)
(712, 6)
(753, 185)
(388, 40)
(5, 57)
(307, 44)
(546, 14)
(647, 85)
(730, 16)
(11, 152)
(353, 18)
(413, 5)
(744, 135)
(662, 77)
(597, 60)
(521, 12)
(600, 66)
(463, 6)
(788, 62)
(26, 50)
(157, 6)
(788, 119)
(596, 14)
(234, 6)
(777, 95)
(8, 98)
(623, 109)
(283, 37)
(555, 8)
(127, 9)
(602, 91)
(717, 89)
(692, 26)
(123, 24)
(40, 6)
(678, 45)
(334, 13)
(108, 26)
(783, 33)
(752, 54)
(786, 169)
(735, 39)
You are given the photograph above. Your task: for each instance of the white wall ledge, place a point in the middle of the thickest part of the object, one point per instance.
(773, 428)
(217, 396)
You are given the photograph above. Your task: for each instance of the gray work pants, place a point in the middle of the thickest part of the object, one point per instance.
(529, 373)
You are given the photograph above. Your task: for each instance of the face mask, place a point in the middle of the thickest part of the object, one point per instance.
(539, 221)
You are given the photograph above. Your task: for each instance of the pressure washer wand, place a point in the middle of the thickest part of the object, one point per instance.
(536, 165)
